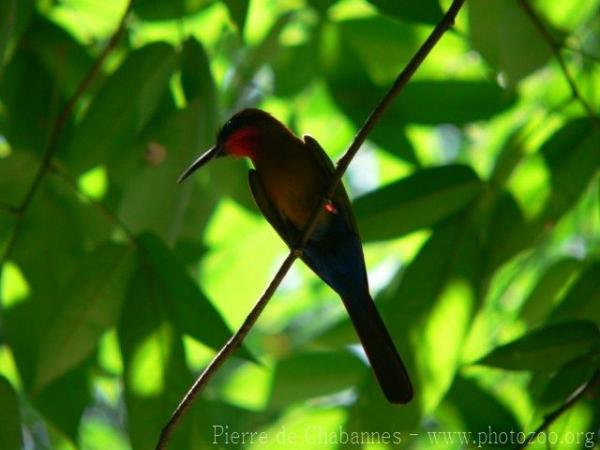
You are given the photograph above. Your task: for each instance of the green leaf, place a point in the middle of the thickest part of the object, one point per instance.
(155, 374)
(571, 154)
(372, 40)
(321, 5)
(8, 13)
(28, 105)
(32, 316)
(198, 83)
(91, 305)
(151, 198)
(544, 295)
(517, 52)
(173, 9)
(306, 375)
(418, 201)
(582, 301)
(567, 380)
(430, 102)
(254, 59)
(466, 399)
(238, 12)
(350, 85)
(545, 348)
(181, 298)
(453, 101)
(218, 417)
(122, 107)
(427, 11)
(294, 66)
(441, 282)
(65, 59)
(14, 19)
(49, 251)
(508, 231)
(350, 73)
(66, 415)
(16, 174)
(10, 417)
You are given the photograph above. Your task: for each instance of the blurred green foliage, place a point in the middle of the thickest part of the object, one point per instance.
(477, 196)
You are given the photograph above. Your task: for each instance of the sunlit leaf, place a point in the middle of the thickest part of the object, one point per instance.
(180, 297)
(546, 348)
(321, 5)
(582, 301)
(122, 107)
(571, 154)
(307, 375)
(155, 375)
(543, 297)
(295, 65)
(98, 433)
(151, 198)
(418, 201)
(508, 231)
(488, 24)
(414, 10)
(91, 304)
(567, 380)
(255, 58)
(65, 416)
(466, 400)
(176, 9)
(238, 11)
(372, 40)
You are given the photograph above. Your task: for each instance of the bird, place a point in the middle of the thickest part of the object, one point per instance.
(290, 178)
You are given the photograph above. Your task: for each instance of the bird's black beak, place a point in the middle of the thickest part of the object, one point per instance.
(208, 155)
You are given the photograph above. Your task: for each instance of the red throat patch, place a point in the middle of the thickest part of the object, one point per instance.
(243, 142)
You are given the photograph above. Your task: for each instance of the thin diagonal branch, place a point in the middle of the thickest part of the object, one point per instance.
(57, 129)
(572, 400)
(556, 50)
(235, 341)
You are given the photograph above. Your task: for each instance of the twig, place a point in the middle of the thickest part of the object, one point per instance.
(573, 398)
(59, 124)
(235, 341)
(556, 49)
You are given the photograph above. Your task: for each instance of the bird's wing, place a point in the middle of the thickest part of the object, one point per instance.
(327, 166)
(321, 157)
(284, 229)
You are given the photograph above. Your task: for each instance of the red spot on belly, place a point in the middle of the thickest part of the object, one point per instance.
(330, 208)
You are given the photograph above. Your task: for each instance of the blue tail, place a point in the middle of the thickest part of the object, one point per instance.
(335, 254)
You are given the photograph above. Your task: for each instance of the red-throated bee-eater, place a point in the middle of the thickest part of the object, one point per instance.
(290, 179)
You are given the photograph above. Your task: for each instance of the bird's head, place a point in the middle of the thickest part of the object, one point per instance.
(243, 135)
